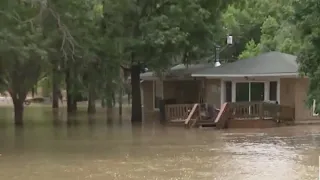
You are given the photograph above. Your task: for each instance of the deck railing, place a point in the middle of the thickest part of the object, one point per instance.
(177, 111)
(261, 110)
(237, 111)
(245, 110)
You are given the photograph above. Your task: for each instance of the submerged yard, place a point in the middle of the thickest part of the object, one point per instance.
(95, 149)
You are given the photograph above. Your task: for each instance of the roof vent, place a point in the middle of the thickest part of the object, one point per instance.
(229, 40)
(218, 50)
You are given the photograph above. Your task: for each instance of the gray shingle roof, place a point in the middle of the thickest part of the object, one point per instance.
(179, 70)
(271, 63)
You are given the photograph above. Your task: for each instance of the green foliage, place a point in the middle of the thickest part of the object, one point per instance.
(161, 33)
(23, 49)
(252, 49)
(44, 40)
(269, 29)
(306, 17)
(264, 22)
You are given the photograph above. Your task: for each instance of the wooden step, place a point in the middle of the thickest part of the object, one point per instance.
(175, 123)
(206, 122)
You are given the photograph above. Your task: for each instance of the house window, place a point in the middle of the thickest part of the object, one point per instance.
(314, 107)
(242, 92)
(228, 85)
(257, 91)
(249, 91)
(155, 97)
(273, 91)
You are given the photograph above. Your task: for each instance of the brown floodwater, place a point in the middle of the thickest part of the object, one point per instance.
(52, 148)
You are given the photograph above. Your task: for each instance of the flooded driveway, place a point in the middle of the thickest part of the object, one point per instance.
(107, 151)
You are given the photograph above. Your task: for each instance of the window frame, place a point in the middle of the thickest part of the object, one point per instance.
(270, 92)
(236, 80)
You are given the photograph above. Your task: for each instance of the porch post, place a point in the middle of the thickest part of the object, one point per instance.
(233, 92)
(153, 94)
(222, 92)
(162, 89)
(278, 90)
(202, 93)
(266, 91)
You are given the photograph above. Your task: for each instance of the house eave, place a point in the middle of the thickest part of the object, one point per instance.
(246, 75)
(149, 78)
(154, 78)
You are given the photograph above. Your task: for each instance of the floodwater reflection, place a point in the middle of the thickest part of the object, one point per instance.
(53, 147)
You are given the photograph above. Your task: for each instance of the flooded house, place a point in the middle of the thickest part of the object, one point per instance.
(254, 92)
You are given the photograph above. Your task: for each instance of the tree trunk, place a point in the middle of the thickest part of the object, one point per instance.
(71, 101)
(136, 110)
(91, 102)
(55, 100)
(33, 92)
(113, 99)
(109, 108)
(19, 139)
(103, 103)
(55, 92)
(56, 118)
(120, 101)
(74, 106)
(68, 86)
(18, 111)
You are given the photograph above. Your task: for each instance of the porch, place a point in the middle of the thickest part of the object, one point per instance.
(252, 102)
(231, 115)
(181, 92)
(255, 100)
(177, 93)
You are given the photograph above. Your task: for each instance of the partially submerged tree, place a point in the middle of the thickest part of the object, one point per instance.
(22, 51)
(78, 42)
(34, 37)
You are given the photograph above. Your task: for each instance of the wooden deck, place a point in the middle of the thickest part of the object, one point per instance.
(177, 112)
(231, 115)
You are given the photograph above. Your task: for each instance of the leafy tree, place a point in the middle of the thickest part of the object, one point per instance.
(252, 49)
(44, 39)
(23, 51)
(159, 33)
(71, 34)
(81, 51)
